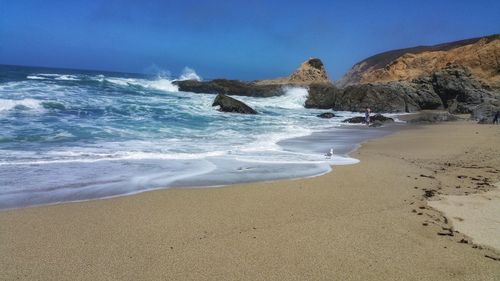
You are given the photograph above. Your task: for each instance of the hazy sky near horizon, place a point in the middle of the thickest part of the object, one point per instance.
(232, 39)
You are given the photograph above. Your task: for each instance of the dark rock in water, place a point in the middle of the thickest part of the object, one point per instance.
(322, 95)
(379, 118)
(433, 117)
(233, 87)
(355, 120)
(228, 104)
(326, 115)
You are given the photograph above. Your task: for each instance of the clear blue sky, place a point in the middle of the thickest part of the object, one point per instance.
(233, 39)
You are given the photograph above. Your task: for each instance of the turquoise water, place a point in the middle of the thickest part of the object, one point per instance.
(69, 135)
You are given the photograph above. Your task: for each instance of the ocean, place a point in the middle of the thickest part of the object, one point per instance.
(72, 135)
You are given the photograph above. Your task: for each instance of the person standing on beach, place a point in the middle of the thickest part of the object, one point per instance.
(495, 119)
(367, 116)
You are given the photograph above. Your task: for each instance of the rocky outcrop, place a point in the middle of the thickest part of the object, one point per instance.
(459, 91)
(322, 95)
(373, 118)
(309, 72)
(232, 87)
(326, 115)
(384, 97)
(378, 97)
(229, 104)
(453, 88)
(480, 55)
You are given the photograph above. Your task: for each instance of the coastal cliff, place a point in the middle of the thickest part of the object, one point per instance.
(461, 77)
(480, 55)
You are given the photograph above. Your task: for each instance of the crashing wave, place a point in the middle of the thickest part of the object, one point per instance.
(189, 74)
(6, 105)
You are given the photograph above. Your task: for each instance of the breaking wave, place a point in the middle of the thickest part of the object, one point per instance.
(7, 104)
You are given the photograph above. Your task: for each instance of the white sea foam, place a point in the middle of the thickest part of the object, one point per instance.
(36, 77)
(161, 83)
(89, 157)
(189, 74)
(67, 78)
(294, 98)
(46, 76)
(11, 104)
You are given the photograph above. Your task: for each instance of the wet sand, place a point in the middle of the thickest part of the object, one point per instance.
(368, 221)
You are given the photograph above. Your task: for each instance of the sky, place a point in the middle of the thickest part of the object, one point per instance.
(238, 39)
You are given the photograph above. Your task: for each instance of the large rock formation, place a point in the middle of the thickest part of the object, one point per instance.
(453, 88)
(231, 87)
(461, 76)
(322, 95)
(380, 97)
(311, 71)
(229, 104)
(480, 55)
(458, 90)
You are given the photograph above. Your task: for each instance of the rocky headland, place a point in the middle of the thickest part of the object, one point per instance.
(311, 71)
(461, 77)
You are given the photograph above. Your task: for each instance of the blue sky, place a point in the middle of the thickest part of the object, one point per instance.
(231, 39)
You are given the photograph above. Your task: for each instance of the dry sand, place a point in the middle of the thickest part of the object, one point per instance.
(368, 221)
(476, 215)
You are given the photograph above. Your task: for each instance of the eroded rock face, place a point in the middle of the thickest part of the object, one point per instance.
(233, 87)
(378, 97)
(452, 88)
(311, 71)
(458, 90)
(229, 104)
(480, 55)
(322, 95)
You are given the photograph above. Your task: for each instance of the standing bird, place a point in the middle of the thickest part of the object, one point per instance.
(329, 154)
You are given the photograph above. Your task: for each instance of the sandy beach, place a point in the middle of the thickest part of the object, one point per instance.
(368, 221)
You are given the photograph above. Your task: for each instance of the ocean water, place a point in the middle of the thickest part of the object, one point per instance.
(69, 135)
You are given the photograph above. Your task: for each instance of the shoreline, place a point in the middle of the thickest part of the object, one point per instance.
(345, 138)
(368, 221)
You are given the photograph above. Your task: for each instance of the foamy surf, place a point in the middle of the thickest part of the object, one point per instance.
(70, 136)
(7, 104)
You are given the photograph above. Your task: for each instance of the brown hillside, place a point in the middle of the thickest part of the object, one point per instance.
(480, 55)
